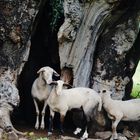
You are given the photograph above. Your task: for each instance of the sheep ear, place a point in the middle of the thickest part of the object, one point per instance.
(55, 73)
(41, 70)
(53, 83)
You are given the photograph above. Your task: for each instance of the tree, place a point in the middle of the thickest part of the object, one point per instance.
(100, 39)
(15, 32)
(97, 39)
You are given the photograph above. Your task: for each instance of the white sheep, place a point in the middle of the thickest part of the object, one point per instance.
(40, 91)
(61, 100)
(118, 110)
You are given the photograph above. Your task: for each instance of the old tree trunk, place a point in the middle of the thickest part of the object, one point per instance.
(99, 39)
(16, 18)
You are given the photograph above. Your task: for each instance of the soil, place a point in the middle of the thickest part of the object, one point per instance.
(33, 134)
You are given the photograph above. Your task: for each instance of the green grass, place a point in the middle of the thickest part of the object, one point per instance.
(32, 136)
(136, 91)
(136, 83)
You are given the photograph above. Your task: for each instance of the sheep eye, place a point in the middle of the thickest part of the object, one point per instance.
(104, 91)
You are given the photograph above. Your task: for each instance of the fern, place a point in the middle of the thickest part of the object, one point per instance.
(57, 12)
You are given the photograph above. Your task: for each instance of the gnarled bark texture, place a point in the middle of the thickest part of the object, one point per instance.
(16, 19)
(79, 40)
(99, 40)
(96, 39)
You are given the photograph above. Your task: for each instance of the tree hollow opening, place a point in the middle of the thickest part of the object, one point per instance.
(44, 52)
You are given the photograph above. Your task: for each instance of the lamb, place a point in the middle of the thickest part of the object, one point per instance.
(40, 91)
(61, 100)
(118, 110)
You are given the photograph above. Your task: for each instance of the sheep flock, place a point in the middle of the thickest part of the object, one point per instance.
(61, 100)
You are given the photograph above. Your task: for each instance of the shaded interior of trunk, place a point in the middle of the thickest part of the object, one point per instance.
(44, 52)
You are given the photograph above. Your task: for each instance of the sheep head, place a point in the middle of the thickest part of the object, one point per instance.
(47, 74)
(59, 86)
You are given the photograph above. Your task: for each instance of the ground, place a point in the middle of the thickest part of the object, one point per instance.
(33, 134)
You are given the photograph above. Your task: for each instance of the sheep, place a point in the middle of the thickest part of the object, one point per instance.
(61, 100)
(40, 91)
(78, 116)
(118, 110)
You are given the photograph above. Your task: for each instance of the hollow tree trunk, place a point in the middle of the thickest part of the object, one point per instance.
(96, 39)
(99, 40)
(15, 30)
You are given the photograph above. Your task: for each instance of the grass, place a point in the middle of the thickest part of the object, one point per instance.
(136, 91)
(32, 136)
(136, 83)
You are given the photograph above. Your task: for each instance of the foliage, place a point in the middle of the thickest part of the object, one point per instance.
(32, 136)
(136, 83)
(56, 14)
(136, 91)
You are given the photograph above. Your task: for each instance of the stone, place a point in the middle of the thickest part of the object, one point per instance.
(103, 135)
(12, 136)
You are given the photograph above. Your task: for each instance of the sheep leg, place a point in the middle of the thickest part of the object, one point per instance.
(62, 118)
(114, 127)
(37, 114)
(43, 115)
(85, 135)
(51, 122)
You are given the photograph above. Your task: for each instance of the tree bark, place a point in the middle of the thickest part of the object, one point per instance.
(99, 40)
(15, 31)
(112, 65)
(95, 39)
(79, 33)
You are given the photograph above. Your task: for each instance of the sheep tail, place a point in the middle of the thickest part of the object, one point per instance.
(100, 104)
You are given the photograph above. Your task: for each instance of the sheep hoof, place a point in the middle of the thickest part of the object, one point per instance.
(85, 136)
(77, 131)
(42, 127)
(36, 127)
(49, 133)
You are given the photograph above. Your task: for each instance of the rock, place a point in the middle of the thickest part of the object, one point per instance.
(12, 136)
(68, 138)
(128, 134)
(1, 132)
(72, 138)
(23, 139)
(103, 135)
(121, 137)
